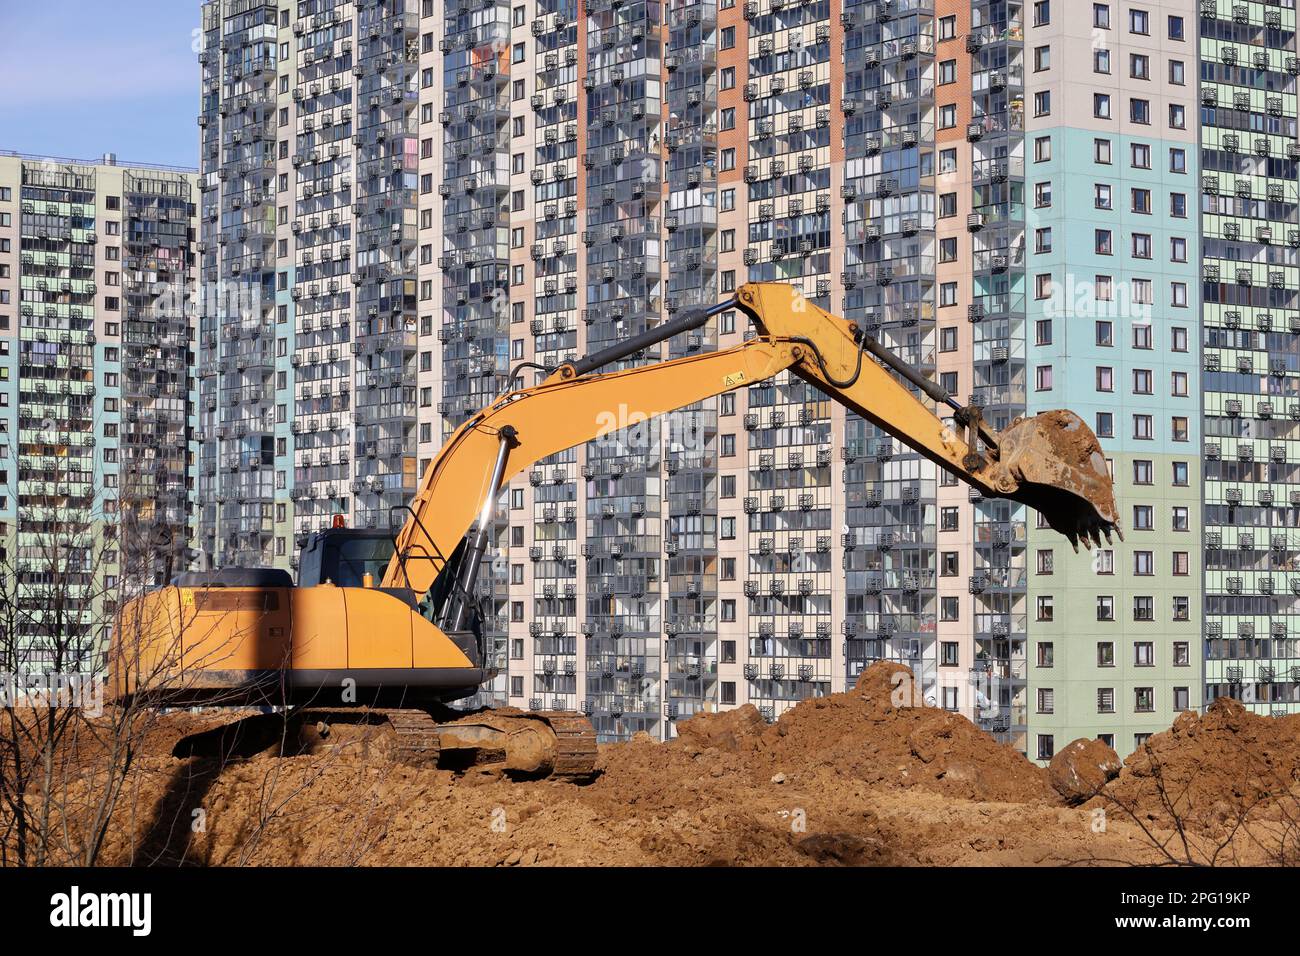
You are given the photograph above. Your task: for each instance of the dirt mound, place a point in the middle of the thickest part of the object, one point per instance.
(867, 735)
(1214, 771)
(866, 777)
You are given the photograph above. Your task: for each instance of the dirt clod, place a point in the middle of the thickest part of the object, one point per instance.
(1082, 768)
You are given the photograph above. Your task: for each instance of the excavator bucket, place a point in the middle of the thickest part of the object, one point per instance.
(1062, 474)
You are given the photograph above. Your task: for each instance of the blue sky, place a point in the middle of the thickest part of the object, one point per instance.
(79, 78)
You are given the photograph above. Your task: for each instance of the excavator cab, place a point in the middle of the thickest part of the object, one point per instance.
(344, 556)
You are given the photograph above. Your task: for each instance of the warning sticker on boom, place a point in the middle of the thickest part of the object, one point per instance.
(734, 379)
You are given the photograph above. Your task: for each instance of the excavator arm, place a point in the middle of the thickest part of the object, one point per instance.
(1051, 462)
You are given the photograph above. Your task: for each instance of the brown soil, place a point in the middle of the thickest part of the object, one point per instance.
(851, 779)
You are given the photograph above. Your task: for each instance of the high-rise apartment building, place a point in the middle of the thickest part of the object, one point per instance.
(311, 164)
(1112, 249)
(96, 405)
(1251, 351)
(417, 208)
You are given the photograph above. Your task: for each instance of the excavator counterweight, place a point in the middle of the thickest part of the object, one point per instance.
(406, 648)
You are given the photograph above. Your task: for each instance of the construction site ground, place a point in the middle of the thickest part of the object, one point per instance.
(848, 779)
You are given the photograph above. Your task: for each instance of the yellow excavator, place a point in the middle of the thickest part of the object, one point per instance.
(387, 626)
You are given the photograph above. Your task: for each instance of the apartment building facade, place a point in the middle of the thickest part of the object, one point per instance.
(1011, 196)
(1250, 231)
(310, 167)
(1113, 251)
(96, 403)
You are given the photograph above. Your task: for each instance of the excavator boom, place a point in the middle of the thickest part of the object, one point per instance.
(1052, 462)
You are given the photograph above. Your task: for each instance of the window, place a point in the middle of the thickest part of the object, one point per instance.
(1043, 285)
(947, 293)
(728, 695)
(1139, 66)
(949, 519)
(1178, 388)
(1101, 16)
(1143, 518)
(947, 160)
(1182, 608)
(1042, 13)
(1182, 699)
(1044, 607)
(1043, 378)
(1046, 654)
(1044, 560)
(948, 249)
(1042, 149)
(1178, 205)
(949, 654)
(1177, 116)
(1105, 425)
(1101, 63)
(1042, 239)
(1105, 700)
(1101, 242)
(1143, 472)
(1105, 654)
(1176, 28)
(1043, 103)
(1101, 105)
(728, 38)
(1182, 654)
(728, 79)
(947, 72)
(1144, 654)
(1105, 378)
(1140, 156)
(1046, 700)
(1144, 563)
(947, 205)
(947, 116)
(1180, 469)
(1043, 332)
(1042, 58)
(1178, 339)
(1105, 607)
(949, 608)
(1101, 151)
(1144, 700)
(1101, 196)
(1142, 427)
(948, 27)
(1043, 194)
(1178, 253)
(1177, 73)
(727, 528)
(949, 564)
(948, 339)
(1139, 23)
(1139, 111)
(1046, 746)
(1141, 245)
(1178, 428)
(1179, 518)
